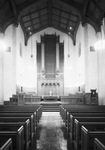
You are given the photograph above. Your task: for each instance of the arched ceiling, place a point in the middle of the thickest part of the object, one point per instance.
(64, 15)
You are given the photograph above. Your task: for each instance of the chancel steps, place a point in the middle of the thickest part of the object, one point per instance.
(50, 107)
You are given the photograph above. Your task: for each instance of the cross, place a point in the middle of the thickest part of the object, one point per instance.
(50, 93)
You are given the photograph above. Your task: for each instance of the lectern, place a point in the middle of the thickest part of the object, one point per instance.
(94, 96)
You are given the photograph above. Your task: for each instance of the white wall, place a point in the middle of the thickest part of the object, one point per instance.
(1, 72)
(91, 74)
(7, 79)
(9, 55)
(86, 70)
(80, 57)
(30, 67)
(101, 65)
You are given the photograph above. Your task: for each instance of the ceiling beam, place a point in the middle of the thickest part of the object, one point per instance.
(30, 3)
(2, 3)
(25, 34)
(36, 31)
(33, 19)
(65, 11)
(32, 24)
(68, 19)
(97, 5)
(85, 7)
(38, 10)
(60, 16)
(65, 18)
(74, 4)
(13, 6)
(96, 20)
(86, 3)
(64, 31)
(30, 18)
(49, 13)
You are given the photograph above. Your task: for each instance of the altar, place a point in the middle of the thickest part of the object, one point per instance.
(50, 98)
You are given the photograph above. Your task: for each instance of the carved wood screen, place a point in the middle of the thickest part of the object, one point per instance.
(50, 56)
(50, 66)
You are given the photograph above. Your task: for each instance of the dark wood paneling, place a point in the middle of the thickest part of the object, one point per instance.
(39, 58)
(50, 54)
(61, 57)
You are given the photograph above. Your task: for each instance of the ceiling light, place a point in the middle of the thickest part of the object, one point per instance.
(30, 32)
(29, 28)
(71, 28)
(69, 33)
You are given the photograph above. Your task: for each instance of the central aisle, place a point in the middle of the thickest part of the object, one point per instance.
(51, 132)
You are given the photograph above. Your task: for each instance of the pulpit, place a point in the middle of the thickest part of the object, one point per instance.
(94, 96)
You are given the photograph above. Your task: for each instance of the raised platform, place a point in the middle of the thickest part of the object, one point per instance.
(50, 98)
(50, 106)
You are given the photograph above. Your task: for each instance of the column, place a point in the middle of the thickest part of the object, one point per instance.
(57, 55)
(99, 66)
(1, 71)
(86, 55)
(43, 56)
(43, 90)
(14, 59)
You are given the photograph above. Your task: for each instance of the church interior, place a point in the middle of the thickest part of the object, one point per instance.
(52, 57)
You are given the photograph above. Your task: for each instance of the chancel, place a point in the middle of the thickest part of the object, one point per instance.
(52, 74)
(50, 93)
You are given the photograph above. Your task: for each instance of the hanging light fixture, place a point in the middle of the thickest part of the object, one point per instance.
(68, 47)
(31, 48)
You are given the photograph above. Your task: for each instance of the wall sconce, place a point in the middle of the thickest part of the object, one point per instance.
(31, 55)
(57, 73)
(42, 84)
(68, 55)
(58, 84)
(46, 84)
(54, 84)
(50, 84)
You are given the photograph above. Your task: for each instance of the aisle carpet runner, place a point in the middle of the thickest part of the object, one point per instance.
(51, 132)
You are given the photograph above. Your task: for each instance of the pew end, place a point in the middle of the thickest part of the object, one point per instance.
(6, 144)
(99, 144)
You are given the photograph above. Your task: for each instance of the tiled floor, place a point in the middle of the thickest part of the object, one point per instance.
(51, 132)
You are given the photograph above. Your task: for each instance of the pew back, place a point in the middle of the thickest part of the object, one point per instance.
(4, 126)
(99, 144)
(6, 144)
(17, 138)
(92, 126)
(87, 138)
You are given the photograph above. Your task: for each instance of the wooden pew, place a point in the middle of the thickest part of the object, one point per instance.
(32, 109)
(21, 114)
(26, 125)
(71, 116)
(99, 126)
(87, 138)
(19, 108)
(25, 114)
(79, 108)
(6, 144)
(99, 144)
(21, 119)
(17, 137)
(82, 114)
(13, 127)
(84, 119)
